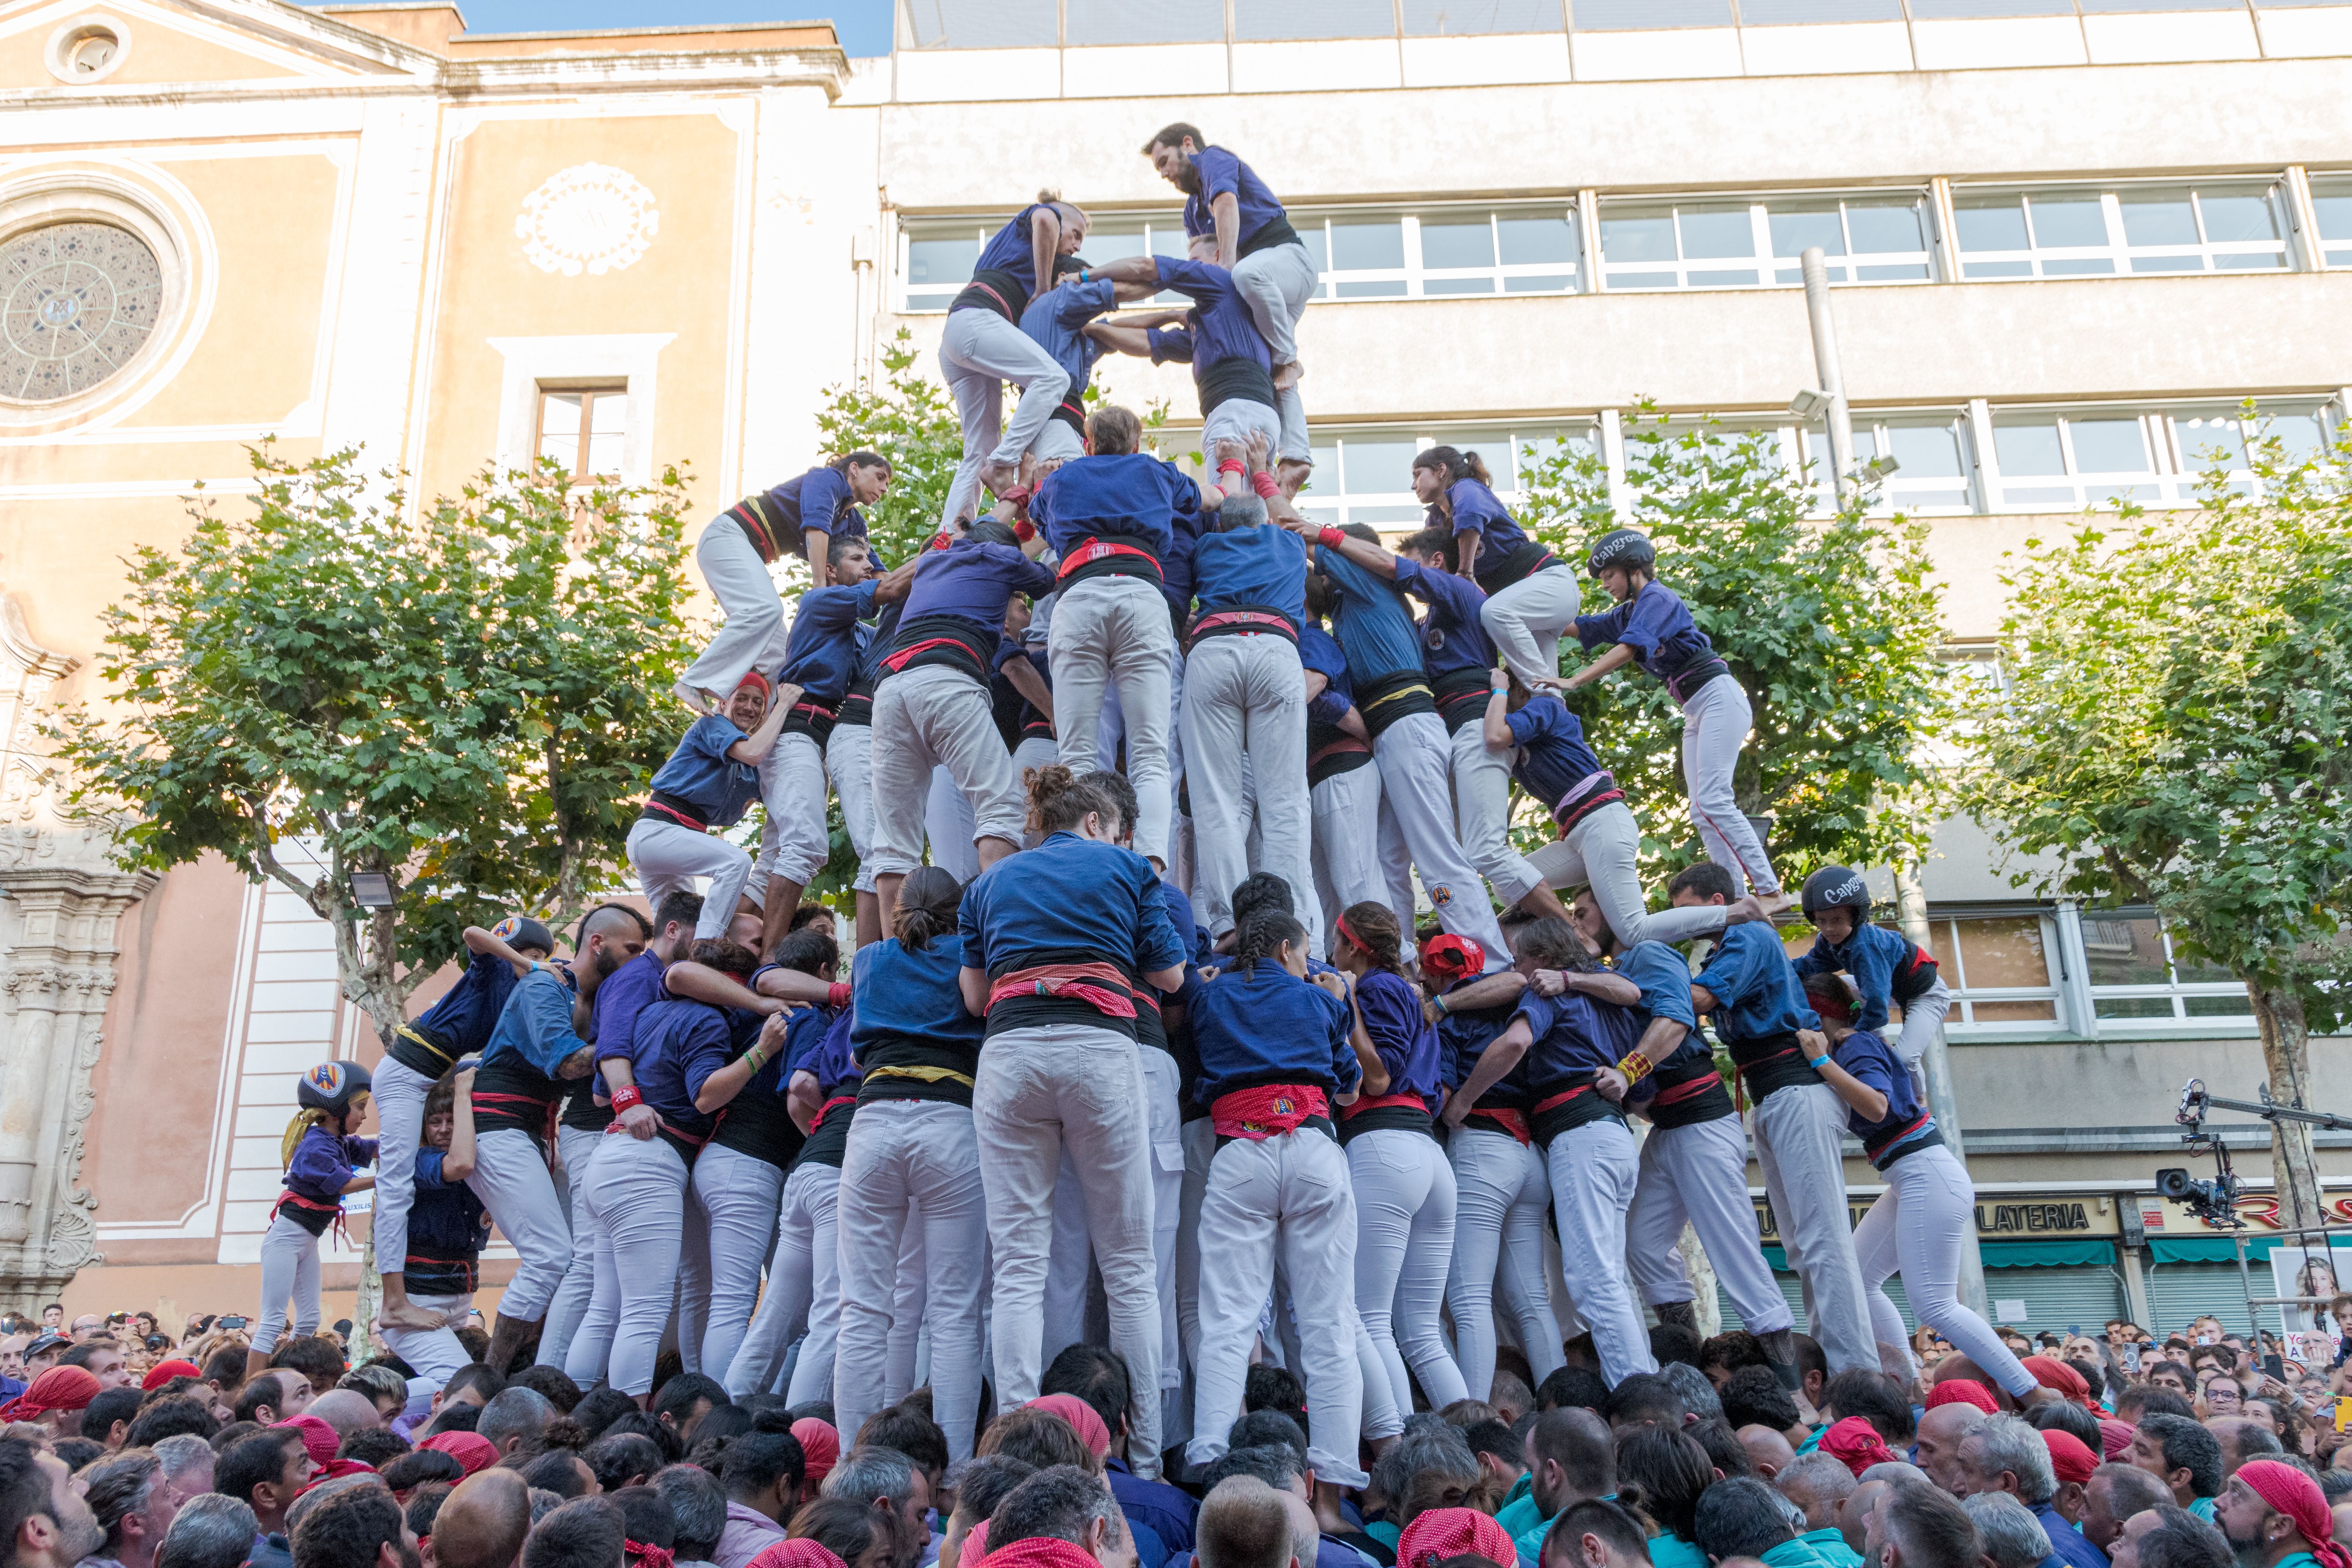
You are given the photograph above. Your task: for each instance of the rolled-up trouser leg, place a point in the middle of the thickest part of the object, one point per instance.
(511, 1178)
(399, 1094)
(1716, 721)
(1524, 621)
(434, 1355)
(1800, 1133)
(739, 1195)
(1413, 760)
(849, 763)
(577, 1146)
(752, 636)
(1698, 1175)
(1599, 853)
(1592, 1169)
(1482, 811)
(668, 856)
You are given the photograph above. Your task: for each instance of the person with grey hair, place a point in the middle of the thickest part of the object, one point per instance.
(209, 1531)
(2115, 1493)
(698, 1505)
(885, 1478)
(2008, 1532)
(2003, 1454)
(1915, 1524)
(128, 1494)
(1816, 1484)
(515, 1423)
(1061, 1502)
(2167, 1536)
(1244, 713)
(1692, 1387)
(319, 1491)
(187, 1461)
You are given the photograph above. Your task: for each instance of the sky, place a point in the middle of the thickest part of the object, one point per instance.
(864, 25)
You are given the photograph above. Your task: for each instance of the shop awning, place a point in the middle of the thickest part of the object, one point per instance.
(2024, 1254)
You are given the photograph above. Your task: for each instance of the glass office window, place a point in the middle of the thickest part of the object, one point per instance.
(2136, 973)
(1867, 237)
(1998, 968)
(2083, 231)
(2061, 459)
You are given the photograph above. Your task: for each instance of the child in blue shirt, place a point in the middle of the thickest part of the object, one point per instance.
(319, 1152)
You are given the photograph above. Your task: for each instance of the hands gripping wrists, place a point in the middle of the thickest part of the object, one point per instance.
(626, 1097)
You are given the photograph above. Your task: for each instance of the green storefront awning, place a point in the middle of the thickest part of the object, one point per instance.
(2207, 1248)
(2024, 1254)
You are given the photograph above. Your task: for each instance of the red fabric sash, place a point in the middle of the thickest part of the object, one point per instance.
(1071, 980)
(1381, 1102)
(827, 1109)
(657, 808)
(897, 661)
(336, 1208)
(1682, 1091)
(1344, 743)
(1556, 1100)
(1010, 314)
(1095, 550)
(1268, 1110)
(1511, 1121)
(1221, 620)
(1039, 1551)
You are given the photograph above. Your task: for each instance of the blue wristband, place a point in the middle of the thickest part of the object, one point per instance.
(1817, 1061)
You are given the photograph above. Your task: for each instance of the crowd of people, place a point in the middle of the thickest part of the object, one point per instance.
(119, 1454)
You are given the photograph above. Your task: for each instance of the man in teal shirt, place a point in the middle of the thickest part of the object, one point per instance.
(1571, 1457)
(1817, 1484)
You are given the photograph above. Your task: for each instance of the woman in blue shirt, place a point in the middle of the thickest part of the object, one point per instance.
(710, 780)
(1650, 625)
(1404, 1188)
(320, 1150)
(1531, 594)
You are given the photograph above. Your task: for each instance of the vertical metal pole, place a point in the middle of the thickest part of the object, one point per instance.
(1936, 1066)
(1825, 361)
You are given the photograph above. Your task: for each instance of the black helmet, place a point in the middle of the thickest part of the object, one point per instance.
(1835, 888)
(519, 931)
(330, 1086)
(1627, 547)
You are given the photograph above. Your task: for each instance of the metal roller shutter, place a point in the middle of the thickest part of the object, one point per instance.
(2180, 1292)
(2058, 1299)
(1793, 1289)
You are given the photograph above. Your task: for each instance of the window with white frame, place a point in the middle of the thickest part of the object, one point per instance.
(1442, 251)
(1998, 965)
(2331, 204)
(584, 427)
(1931, 455)
(2137, 974)
(2069, 459)
(2083, 231)
(1871, 236)
(1365, 475)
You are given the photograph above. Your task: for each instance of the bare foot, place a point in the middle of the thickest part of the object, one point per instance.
(408, 1315)
(694, 697)
(1286, 377)
(1742, 910)
(1292, 474)
(1773, 902)
(997, 477)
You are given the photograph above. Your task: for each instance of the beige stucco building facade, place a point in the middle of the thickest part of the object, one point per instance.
(2081, 232)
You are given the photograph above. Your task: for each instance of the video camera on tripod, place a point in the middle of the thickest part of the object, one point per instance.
(2216, 1202)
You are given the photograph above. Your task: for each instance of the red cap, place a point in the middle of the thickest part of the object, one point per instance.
(470, 1449)
(1438, 1533)
(1452, 957)
(1081, 1416)
(1963, 1390)
(163, 1371)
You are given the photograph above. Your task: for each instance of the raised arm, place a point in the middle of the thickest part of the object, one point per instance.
(1501, 1055)
(1498, 718)
(1044, 243)
(478, 941)
(753, 748)
(722, 1087)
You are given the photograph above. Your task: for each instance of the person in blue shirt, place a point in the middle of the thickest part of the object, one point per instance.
(1404, 1188)
(445, 1233)
(1055, 939)
(1887, 969)
(321, 1147)
(736, 547)
(1531, 596)
(931, 703)
(1056, 321)
(1798, 1122)
(912, 1145)
(1220, 340)
(1277, 1057)
(1650, 626)
(1694, 1166)
(983, 347)
(709, 782)
(1110, 518)
(1927, 1213)
(417, 1054)
(1250, 236)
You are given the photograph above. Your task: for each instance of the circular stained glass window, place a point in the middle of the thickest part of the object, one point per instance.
(78, 302)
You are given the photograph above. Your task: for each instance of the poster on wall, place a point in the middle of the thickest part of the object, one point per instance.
(2312, 1334)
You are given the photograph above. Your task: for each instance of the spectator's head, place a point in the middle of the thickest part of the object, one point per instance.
(515, 1423)
(1569, 1455)
(766, 1472)
(483, 1521)
(1752, 1396)
(267, 1471)
(384, 1387)
(1569, 1385)
(1596, 1534)
(45, 1521)
(550, 1384)
(1740, 1517)
(2141, 1401)
(588, 1532)
(1816, 1484)
(980, 1484)
(106, 1420)
(1767, 1452)
(2071, 1419)
(476, 1383)
(562, 1472)
(2170, 1537)
(1917, 1525)
(861, 1537)
(2270, 1511)
(2181, 1453)
(102, 1358)
(1510, 1395)
(313, 1358)
(1257, 1428)
(1064, 1503)
(2003, 1454)
(2007, 1531)
(211, 1530)
(599, 1408)
(884, 1478)
(171, 1418)
(347, 1411)
(373, 1448)
(2116, 1492)
(358, 1528)
(272, 1396)
(187, 1460)
(1039, 1438)
(1643, 1399)
(132, 1503)
(907, 1430)
(1242, 1524)
(685, 1400)
(1663, 1471)
(1731, 1352)
(1279, 1466)
(624, 1459)
(421, 1468)
(1097, 1376)
(696, 1506)
(1698, 1397)
(648, 1517)
(1873, 1396)
(2240, 1439)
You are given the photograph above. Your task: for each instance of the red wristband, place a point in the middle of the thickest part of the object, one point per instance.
(1265, 484)
(1330, 535)
(1233, 465)
(939, 541)
(1024, 530)
(836, 996)
(627, 1097)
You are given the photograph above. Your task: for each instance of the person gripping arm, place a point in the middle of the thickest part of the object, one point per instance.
(1502, 1054)
(1347, 1056)
(722, 1086)
(480, 941)
(753, 748)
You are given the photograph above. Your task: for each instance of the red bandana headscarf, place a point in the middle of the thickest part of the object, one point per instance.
(1450, 958)
(2051, 1372)
(471, 1449)
(1856, 1444)
(163, 1371)
(1082, 1418)
(60, 1388)
(798, 1554)
(820, 1445)
(1961, 1390)
(2115, 1437)
(1439, 1533)
(2071, 1458)
(1040, 1551)
(2298, 1496)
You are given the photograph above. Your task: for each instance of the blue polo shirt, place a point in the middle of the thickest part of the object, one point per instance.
(1054, 321)
(1552, 757)
(1260, 1025)
(1133, 495)
(1872, 1062)
(818, 498)
(1477, 511)
(1218, 330)
(1222, 175)
(704, 776)
(972, 579)
(1664, 979)
(1575, 1036)
(1261, 568)
(1757, 994)
(1873, 956)
(462, 1017)
(1069, 900)
(1372, 623)
(1008, 250)
(676, 1046)
(1450, 636)
(1463, 1037)
(1653, 623)
(1320, 652)
(909, 1028)
(1399, 1030)
(805, 1030)
(821, 654)
(536, 1023)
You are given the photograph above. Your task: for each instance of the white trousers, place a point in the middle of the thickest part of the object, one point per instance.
(1414, 759)
(1481, 813)
(1799, 1135)
(511, 1178)
(669, 856)
(1404, 1243)
(949, 824)
(1246, 723)
(1056, 442)
(738, 1196)
(1239, 418)
(1602, 852)
(1917, 1228)
(1034, 752)
(577, 1146)
(1592, 1169)
(929, 717)
(1697, 1175)
(1346, 859)
(289, 1269)
(1524, 621)
(979, 352)
(1114, 631)
(1068, 1293)
(849, 763)
(753, 634)
(1289, 1196)
(1198, 1140)
(803, 1292)
(400, 1094)
(1923, 1020)
(434, 1355)
(1501, 1191)
(923, 1153)
(636, 1189)
(793, 842)
(1038, 1087)
(1277, 283)
(1716, 721)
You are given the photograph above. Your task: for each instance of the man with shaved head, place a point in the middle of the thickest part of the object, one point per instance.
(1767, 1452)
(1937, 1443)
(2113, 1494)
(483, 1522)
(1817, 1483)
(1243, 1524)
(347, 1411)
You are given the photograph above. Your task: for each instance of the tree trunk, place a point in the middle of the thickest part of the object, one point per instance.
(2286, 1053)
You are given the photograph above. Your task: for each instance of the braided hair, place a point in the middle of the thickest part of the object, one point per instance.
(1262, 933)
(1373, 929)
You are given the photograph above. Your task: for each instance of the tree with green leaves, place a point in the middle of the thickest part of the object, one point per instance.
(910, 420)
(2173, 730)
(1829, 623)
(470, 702)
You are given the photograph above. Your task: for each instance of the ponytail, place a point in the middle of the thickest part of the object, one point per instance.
(928, 901)
(1059, 800)
(1457, 466)
(1263, 934)
(296, 1130)
(1372, 930)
